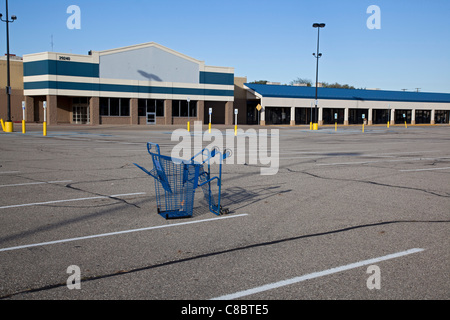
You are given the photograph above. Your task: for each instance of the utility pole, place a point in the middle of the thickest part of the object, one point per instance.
(9, 124)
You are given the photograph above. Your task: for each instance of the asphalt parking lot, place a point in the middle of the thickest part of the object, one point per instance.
(341, 201)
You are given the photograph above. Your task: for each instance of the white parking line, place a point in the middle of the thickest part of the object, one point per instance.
(428, 169)
(377, 161)
(9, 172)
(313, 275)
(33, 183)
(365, 162)
(120, 232)
(69, 200)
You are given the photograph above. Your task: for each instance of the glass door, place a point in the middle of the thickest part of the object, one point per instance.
(80, 111)
(151, 117)
(151, 112)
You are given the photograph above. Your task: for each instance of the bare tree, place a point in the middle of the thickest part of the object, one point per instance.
(301, 81)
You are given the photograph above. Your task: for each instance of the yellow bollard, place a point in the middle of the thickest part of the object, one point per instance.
(24, 130)
(209, 127)
(363, 128)
(9, 126)
(335, 126)
(315, 126)
(235, 130)
(310, 126)
(388, 124)
(406, 125)
(188, 127)
(45, 129)
(3, 124)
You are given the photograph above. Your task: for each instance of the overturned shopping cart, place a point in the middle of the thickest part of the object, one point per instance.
(176, 181)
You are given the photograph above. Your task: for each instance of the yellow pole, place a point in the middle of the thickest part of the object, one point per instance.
(45, 119)
(3, 125)
(188, 127)
(310, 126)
(235, 121)
(388, 124)
(209, 127)
(363, 127)
(406, 125)
(335, 126)
(23, 118)
(9, 126)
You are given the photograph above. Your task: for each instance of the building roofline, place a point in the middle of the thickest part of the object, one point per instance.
(281, 91)
(147, 45)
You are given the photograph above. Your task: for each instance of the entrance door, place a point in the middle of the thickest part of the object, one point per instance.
(151, 117)
(80, 115)
(80, 111)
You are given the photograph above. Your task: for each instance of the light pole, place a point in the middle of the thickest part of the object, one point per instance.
(8, 124)
(317, 56)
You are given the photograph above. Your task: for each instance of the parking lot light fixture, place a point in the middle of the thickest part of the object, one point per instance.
(317, 56)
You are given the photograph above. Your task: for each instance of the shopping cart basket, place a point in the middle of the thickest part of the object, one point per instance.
(176, 181)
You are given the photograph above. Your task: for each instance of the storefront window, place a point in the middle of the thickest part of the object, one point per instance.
(151, 106)
(278, 115)
(115, 107)
(180, 108)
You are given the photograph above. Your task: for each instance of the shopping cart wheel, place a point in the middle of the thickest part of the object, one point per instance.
(224, 210)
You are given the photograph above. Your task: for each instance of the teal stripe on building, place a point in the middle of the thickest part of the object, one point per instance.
(38, 85)
(61, 68)
(216, 78)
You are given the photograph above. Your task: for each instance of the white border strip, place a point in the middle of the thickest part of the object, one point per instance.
(313, 275)
(119, 232)
(69, 200)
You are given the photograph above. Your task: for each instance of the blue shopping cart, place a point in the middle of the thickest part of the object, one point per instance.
(176, 181)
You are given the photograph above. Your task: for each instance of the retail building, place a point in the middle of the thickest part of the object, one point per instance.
(149, 84)
(141, 84)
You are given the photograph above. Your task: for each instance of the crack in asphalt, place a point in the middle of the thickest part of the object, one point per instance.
(212, 254)
(70, 186)
(372, 183)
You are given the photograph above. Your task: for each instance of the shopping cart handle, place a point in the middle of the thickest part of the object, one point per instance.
(146, 171)
(228, 153)
(149, 147)
(201, 153)
(213, 178)
(214, 151)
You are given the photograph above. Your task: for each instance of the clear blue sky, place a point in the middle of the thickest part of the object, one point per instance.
(263, 40)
